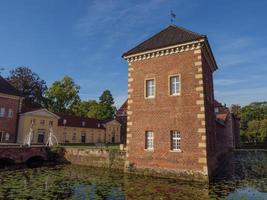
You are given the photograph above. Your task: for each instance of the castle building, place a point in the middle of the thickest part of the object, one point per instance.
(171, 123)
(10, 104)
(66, 128)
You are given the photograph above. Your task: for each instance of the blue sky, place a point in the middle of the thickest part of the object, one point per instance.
(85, 40)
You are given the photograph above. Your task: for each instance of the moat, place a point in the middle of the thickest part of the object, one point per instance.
(243, 177)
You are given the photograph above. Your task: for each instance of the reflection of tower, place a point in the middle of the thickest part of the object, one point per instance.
(51, 137)
(28, 137)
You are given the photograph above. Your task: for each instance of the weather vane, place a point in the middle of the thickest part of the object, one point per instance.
(173, 16)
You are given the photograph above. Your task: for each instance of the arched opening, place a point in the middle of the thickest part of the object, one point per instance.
(35, 161)
(6, 162)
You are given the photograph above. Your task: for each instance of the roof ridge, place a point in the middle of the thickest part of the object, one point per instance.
(185, 29)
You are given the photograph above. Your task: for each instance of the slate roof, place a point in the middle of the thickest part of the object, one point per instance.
(75, 121)
(172, 35)
(7, 88)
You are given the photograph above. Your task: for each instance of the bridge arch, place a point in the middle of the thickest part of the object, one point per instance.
(35, 160)
(6, 161)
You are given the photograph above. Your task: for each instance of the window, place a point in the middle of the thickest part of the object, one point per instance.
(174, 85)
(175, 141)
(74, 137)
(32, 121)
(2, 112)
(10, 113)
(216, 110)
(7, 136)
(150, 88)
(42, 122)
(50, 123)
(149, 140)
(83, 137)
(83, 123)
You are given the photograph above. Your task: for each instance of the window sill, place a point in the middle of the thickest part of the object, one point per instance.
(175, 95)
(149, 150)
(175, 151)
(152, 97)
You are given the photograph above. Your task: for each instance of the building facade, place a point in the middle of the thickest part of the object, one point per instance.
(170, 117)
(10, 104)
(66, 128)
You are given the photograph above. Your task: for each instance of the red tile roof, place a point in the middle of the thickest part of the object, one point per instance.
(75, 121)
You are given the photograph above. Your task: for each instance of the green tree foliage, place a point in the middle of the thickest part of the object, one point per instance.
(82, 108)
(63, 95)
(104, 109)
(253, 122)
(29, 84)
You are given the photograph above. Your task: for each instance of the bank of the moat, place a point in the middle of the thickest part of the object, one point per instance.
(244, 177)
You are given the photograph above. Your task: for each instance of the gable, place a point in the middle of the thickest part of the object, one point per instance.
(113, 122)
(41, 113)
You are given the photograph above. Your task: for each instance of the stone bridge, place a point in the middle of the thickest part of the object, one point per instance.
(15, 154)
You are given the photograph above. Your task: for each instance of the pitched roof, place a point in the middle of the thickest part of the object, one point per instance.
(75, 121)
(7, 88)
(122, 111)
(169, 36)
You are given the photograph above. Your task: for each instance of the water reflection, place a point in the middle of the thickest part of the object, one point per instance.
(77, 182)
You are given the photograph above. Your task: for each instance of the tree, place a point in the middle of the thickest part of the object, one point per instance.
(82, 108)
(29, 84)
(104, 109)
(235, 109)
(63, 95)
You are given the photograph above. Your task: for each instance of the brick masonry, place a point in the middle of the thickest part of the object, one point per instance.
(9, 125)
(186, 113)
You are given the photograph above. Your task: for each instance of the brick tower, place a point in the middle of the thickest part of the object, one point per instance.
(171, 120)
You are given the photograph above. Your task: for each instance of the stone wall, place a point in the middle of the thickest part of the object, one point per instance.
(109, 158)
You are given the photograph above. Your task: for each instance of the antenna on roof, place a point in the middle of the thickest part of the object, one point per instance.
(172, 15)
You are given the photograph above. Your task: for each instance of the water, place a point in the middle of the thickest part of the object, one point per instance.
(244, 177)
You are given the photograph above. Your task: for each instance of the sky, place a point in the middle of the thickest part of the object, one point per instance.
(86, 38)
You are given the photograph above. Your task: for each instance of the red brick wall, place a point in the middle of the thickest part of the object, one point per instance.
(209, 113)
(165, 113)
(9, 124)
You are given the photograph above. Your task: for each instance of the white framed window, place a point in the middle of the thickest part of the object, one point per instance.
(174, 85)
(150, 88)
(7, 136)
(2, 112)
(175, 140)
(10, 113)
(149, 140)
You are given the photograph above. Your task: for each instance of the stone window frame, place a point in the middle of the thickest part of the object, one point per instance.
(146, 140)
(169, 85)
(178, 139)
(145, 88)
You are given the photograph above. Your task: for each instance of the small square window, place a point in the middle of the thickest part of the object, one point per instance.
(175, 85)
(150, 88)
(175, 141)
(42, 122)
(149, 140)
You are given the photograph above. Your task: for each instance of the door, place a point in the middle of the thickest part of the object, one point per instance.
(83, 138)
(41, 136)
